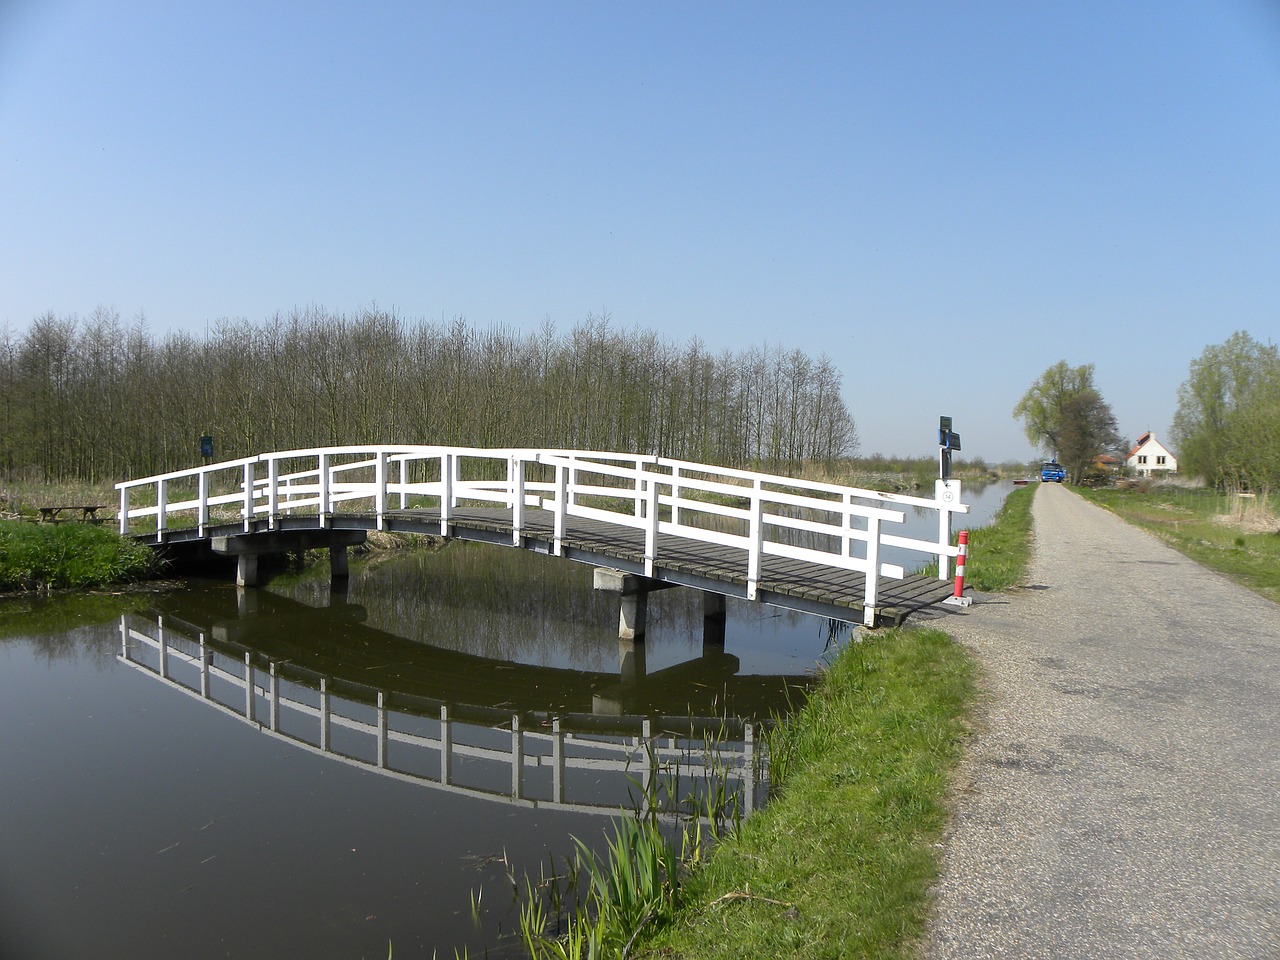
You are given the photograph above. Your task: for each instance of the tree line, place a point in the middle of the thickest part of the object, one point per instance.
(99, 399)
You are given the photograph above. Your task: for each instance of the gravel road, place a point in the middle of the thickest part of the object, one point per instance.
(1121, 797)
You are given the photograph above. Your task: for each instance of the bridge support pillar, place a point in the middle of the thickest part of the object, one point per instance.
(713, 618)
(247, 570)
(338, 569)
(248, 547)
(632, 611)
(633, 605)
(631, 661)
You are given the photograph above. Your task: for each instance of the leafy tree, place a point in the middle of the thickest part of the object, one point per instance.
(1088, 429)
(1228, 417)
(1064, 414)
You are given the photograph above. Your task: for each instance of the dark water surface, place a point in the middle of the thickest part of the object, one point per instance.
(150, 807)
(142, 819)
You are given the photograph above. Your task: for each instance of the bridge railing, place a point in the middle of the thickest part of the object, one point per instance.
(819, 523)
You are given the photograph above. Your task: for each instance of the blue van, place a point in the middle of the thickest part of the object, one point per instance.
(1051, 471)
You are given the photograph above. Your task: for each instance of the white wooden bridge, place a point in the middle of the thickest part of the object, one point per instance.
(799, 544)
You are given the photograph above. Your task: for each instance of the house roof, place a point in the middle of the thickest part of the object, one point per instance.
(1143, 440)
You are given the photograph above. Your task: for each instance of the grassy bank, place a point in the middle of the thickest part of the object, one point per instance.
(840, 863)
(43, 556)
(1239, 538)
(999, 553)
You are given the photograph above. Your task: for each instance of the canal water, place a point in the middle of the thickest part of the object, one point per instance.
(298, 771)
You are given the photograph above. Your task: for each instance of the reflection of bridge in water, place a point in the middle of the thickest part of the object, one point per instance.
(414, 727)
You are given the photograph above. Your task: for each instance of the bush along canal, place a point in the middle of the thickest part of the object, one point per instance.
(44, 556)
(415, 759)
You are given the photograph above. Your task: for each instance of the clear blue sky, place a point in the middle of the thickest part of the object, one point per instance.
(945, 198)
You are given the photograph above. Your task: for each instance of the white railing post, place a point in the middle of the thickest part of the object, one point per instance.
(871, 588)
(380, 491)
(557, 762)
(382, 729)
(562, 498)
(515, 483)
(273, 491)
(675, 495)
(322, 475)
(446, 746)
(651, 528)
(202, 495)
(848, 525)
(247, 510)
(324, 715)
(124, 511)
(517, 757)
(755, 546)
(162, 507)
(447, 464)
(947, 494)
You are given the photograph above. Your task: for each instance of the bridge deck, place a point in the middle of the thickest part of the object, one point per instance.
(787, 583)
(792, 584)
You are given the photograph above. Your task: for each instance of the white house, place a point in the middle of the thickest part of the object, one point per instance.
(1150, 456)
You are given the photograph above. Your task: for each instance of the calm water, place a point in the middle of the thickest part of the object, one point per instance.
(155, 808)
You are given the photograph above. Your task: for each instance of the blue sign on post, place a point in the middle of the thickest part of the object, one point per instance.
(206, 447)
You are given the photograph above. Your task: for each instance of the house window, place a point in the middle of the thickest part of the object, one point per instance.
(1159, 461)
(1142, 459)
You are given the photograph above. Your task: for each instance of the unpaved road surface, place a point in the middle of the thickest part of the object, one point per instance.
(1121, 797)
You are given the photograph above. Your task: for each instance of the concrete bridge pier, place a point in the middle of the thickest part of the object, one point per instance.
(633, 602)
(633, 598)
(248, 547)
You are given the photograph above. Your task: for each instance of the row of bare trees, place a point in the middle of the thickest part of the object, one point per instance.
(98, 399)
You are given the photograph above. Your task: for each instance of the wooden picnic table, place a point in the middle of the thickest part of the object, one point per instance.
(88, 512)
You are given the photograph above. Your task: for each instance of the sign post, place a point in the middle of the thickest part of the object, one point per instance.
(946, 490)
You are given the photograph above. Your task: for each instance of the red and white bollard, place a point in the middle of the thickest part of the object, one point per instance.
(958, 598)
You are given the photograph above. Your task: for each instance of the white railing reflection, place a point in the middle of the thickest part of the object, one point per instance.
(582, 763)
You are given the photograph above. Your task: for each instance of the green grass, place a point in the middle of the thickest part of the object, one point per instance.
(999, 553)
(37, 556)
(1219, 531)
(839, 863)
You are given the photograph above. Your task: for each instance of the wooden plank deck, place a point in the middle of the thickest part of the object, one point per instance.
(784, 582)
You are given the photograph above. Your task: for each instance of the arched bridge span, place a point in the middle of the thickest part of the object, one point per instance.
(799, 544)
